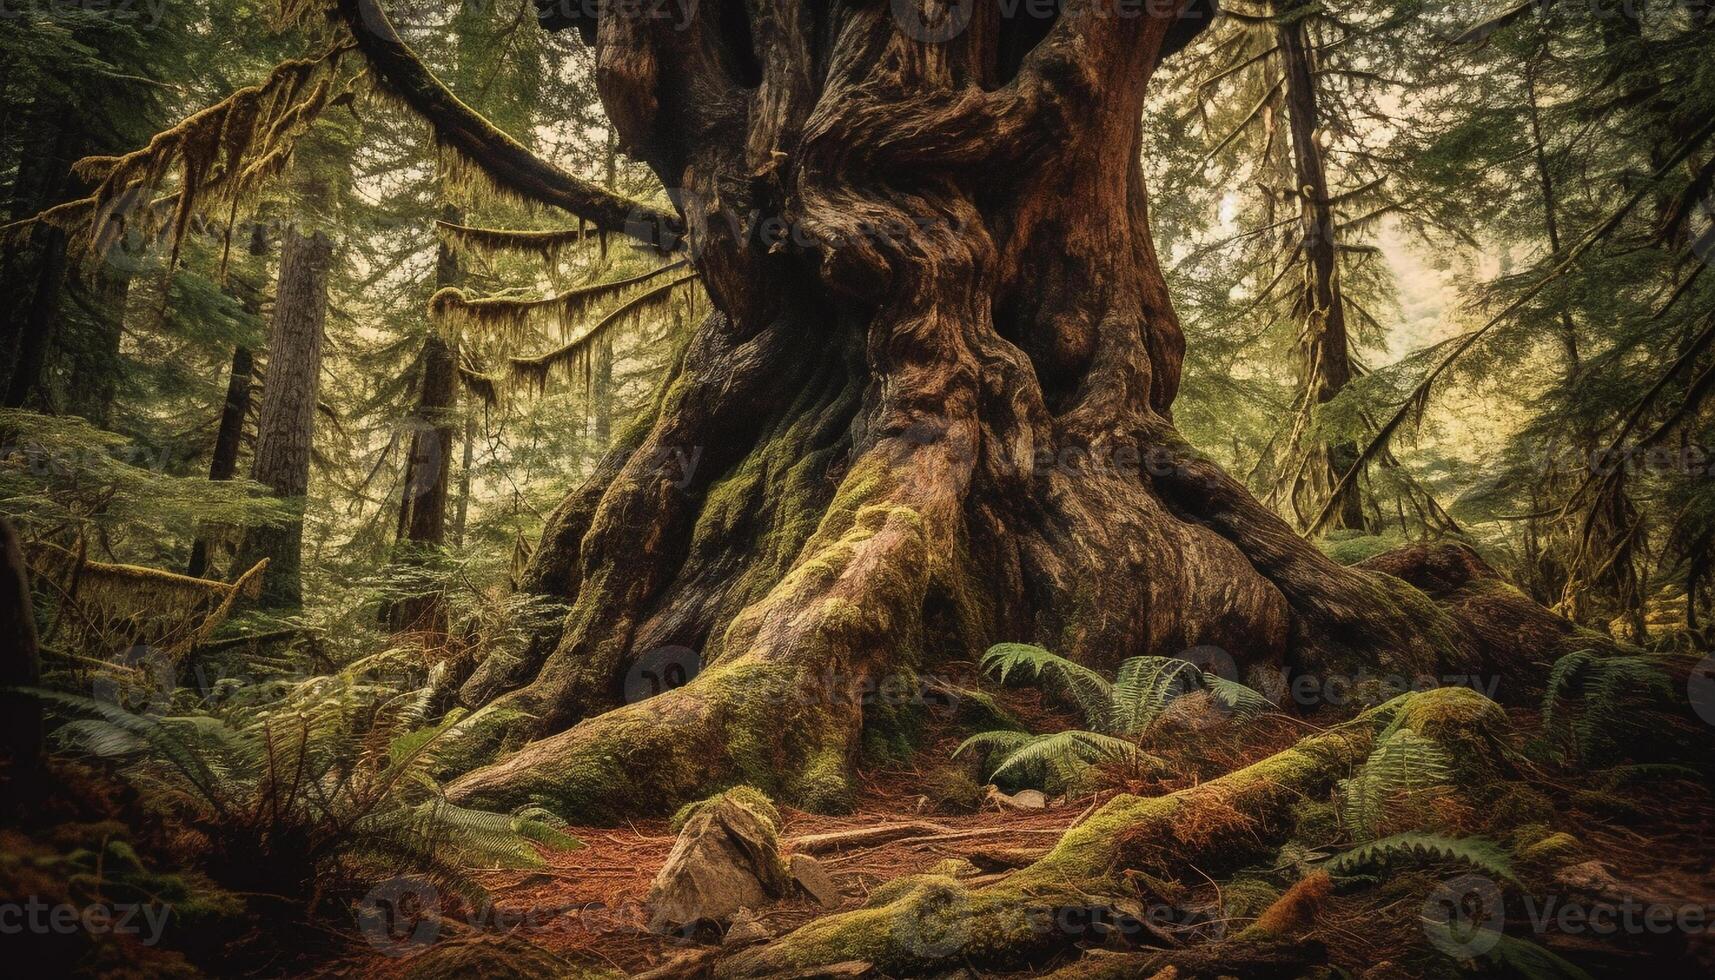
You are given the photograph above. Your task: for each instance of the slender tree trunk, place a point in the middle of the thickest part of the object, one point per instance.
(1325, 353)
(423, 502)
(229, 437)
(286, 425)
(229, 434)
(463, 511)
(935, 415)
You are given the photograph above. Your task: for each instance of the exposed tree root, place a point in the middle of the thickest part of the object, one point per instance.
(917, 926)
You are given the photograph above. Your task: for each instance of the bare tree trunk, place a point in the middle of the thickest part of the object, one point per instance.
(423, 503)
(229, 435)
(286, 425)
(1324, 347)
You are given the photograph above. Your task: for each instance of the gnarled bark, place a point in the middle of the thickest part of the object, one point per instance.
(931, 413)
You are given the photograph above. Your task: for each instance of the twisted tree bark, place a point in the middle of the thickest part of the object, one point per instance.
(931, 411)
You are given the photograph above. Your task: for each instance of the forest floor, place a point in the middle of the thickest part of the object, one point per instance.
(1652, 842)
(587, 905)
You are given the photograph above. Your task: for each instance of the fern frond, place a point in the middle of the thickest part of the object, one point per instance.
(1087, 690)
(996, 743)
(1145, 687)
(1401, 764)
(1479, 853)
(1597, 706)
(1063, 754)
(1242, 701)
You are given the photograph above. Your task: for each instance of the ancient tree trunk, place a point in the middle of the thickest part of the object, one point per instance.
(1324, 349)
(286, 423)
(930, 411)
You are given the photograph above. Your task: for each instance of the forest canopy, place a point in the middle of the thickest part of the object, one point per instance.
(855, 488)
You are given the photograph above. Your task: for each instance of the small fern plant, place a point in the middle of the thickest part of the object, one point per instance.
(311, 789)
(1402, 766)
(1601, 709)
(1115, 713)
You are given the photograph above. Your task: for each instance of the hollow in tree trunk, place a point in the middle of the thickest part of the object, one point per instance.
(931, 410)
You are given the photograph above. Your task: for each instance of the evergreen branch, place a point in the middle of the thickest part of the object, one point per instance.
(501, 157)
(1469, 340)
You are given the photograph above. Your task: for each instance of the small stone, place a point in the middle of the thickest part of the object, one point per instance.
(815, 881)
(1024, 799)
(746, 930)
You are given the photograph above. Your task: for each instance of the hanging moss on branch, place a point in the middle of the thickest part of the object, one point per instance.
(560, 313)
(573, 359)
(106, 607)
(471, 138)
(548, 245)
(222, 156)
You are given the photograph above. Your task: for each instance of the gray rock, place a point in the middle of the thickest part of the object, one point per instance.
(727, 858)
(816, 881)
(746, 930)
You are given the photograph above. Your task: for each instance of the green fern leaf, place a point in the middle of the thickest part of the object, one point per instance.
(1085, 689)
(1479, 853)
